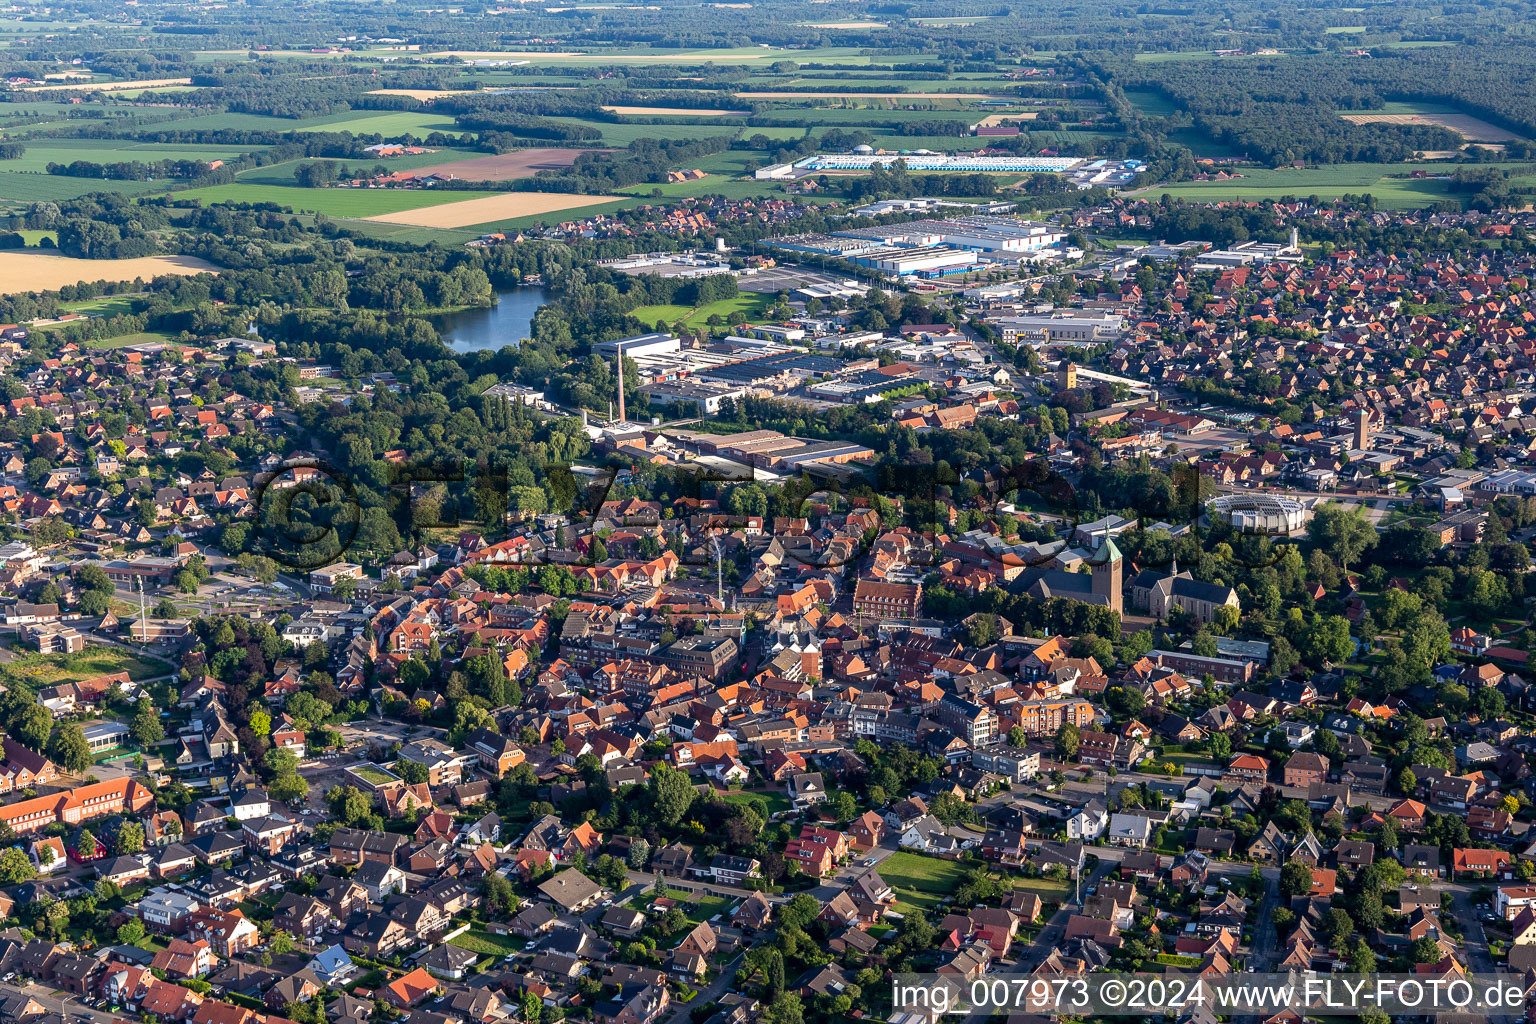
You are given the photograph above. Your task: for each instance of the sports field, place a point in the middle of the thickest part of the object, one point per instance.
(488, 209)
(36, 272)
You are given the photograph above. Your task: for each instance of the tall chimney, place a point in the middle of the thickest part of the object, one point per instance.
(619, 360)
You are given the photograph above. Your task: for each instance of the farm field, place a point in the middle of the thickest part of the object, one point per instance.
(143, 83)
(385, 123)
(62, 151)
(1389, 183)
(1473, 129)
(283, 173)
(674, 112)
(811, 94)
(20, 187)
(522, 163)
(34, 271)
(333, 202)
(425, 95)
(488, 209)
(621, 135)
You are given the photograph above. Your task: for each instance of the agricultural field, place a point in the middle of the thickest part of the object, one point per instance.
(18, 188)
(620, 135)
(143, 83)
(673, 112)
(522, 163)
(63, 151)
(489, 209)
(1389, 183)
(36, 271)
(389, 124)
(1473, 129)
(333, 202)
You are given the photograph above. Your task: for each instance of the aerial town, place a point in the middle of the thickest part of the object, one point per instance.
(1189, 639)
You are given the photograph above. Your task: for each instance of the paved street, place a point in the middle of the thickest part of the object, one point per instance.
(717, 988)
(66, 1006)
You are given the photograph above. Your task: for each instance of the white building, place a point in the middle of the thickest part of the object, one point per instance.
(1089, 822)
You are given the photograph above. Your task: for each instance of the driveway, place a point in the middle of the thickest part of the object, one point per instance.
(717, 988)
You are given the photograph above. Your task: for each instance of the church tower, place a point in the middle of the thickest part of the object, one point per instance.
(1108, 566)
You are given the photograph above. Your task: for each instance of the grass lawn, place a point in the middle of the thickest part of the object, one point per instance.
(485, 943)
(921, 883)
(749, 304)
(775, 800)
(706, 907)
(333, 202)
(1047, 888)
(53, 669)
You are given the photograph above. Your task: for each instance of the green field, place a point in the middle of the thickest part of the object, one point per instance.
(51, 669)
(1330, 182)
(1152, 102)
(388, 123)
(36, 187)
(477, 940)
(333, 202)
(63, 151)
(282, 174)
(922, 883)
(749, 303)
(621, 135)
(775, 800)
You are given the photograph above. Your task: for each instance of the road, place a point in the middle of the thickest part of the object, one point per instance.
(717, 988)
(66, 1006)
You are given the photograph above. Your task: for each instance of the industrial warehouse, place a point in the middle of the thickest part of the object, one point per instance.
(934, 248)
(863, 158)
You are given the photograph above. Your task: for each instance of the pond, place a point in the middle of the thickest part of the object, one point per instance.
(506, 323)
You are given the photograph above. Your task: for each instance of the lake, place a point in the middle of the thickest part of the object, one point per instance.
(506, 323)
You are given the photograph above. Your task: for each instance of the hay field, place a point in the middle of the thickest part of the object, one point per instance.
(674, 112)
(1471, 128)
(992, 119)
(143, 83)
(424, 95)
(491, 208)
(36, 272)
(817, 95)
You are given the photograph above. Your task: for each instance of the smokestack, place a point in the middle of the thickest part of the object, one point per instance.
(619, 359)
